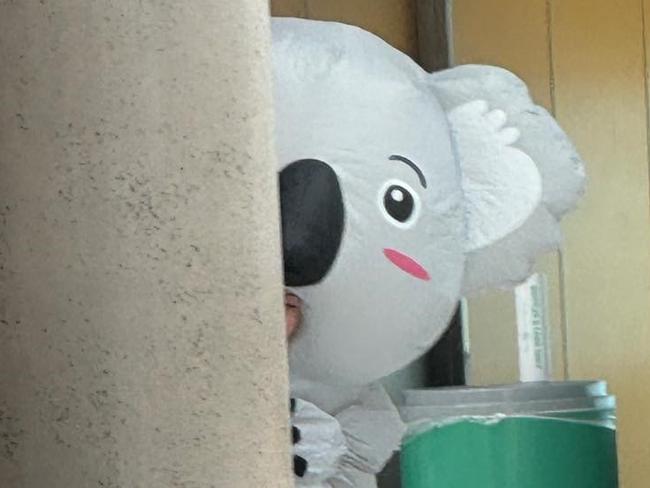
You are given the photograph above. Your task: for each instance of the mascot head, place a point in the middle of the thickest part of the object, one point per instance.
(401, 191)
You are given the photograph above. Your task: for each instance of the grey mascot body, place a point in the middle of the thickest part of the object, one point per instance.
(402, 191)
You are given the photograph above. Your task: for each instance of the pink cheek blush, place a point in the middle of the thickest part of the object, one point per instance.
(407, 264)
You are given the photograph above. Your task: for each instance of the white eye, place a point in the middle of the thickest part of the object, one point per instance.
(399, 203)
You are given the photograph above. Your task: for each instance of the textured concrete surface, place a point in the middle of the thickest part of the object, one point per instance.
(141, 330)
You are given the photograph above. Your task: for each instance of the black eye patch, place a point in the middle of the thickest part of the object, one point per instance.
(312, 220)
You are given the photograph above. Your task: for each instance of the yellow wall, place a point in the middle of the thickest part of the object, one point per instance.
(392, 20)
(586, 60)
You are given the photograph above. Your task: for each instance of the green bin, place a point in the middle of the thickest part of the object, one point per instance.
(545, 435)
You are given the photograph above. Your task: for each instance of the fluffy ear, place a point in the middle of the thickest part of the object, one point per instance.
(500, 183)
(517, 192)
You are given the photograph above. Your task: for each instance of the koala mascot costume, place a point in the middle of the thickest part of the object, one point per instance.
(401, 191)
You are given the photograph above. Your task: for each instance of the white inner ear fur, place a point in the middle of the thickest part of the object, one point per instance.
(501, 184)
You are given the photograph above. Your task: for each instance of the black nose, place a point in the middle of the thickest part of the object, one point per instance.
(312, 220)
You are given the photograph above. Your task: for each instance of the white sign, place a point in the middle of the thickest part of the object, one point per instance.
(532, 328)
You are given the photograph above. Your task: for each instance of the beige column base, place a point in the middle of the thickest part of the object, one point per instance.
(141, 334)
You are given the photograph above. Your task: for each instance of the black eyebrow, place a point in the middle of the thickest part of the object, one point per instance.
(413, 166)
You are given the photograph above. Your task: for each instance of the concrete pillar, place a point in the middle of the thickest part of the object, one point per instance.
(141, 334)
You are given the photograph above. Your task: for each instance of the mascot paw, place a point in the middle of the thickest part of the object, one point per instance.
(318, 442)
